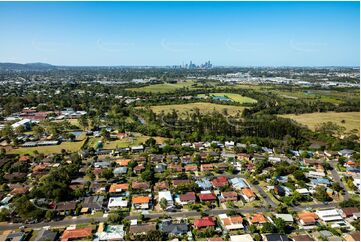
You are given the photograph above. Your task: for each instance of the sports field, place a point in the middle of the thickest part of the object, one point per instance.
(351, 119)
(164, 88)
(233, 96)
(182, 109)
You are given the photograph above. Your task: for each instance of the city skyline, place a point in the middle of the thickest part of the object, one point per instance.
(172, 33)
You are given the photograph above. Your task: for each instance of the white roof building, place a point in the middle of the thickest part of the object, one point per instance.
(329, 215)
(166, 195)
(315, 174)
(21, 123)
(303, 191)
(116, 202)
(242, 238)
(286, 217)
(112, 232)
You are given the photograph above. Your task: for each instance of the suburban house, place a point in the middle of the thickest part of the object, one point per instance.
(238, 183)
(191, 167)
(77, 234)
(302, 237)
(307, 219)
(353, 236)
(231, 222)
(228, 196)
(275, 237)
(175, 167)
(144, 186)
(315, 164)
(142, 228)
(257, 219)
(175, 229)
(187, 198)
(207, 196)
(167, 196)
(93, 203)
(161, 186)
(248, 194)
(110, 233)
(139, 169)
(117, 202)
(207, 167)
(118, 188)
(141, 202)
(66, 207)
(204, 222)
(204, 184)
(46, 235)
(219, 182)
(331, 216)
(123, 162)
(349, 212)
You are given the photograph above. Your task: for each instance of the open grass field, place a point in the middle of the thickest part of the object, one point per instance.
(233, 96)
(72, 121)
(352, 119)
(165, 87)
(123, 143)
(69, 146)
(334, 97)
(182, 109)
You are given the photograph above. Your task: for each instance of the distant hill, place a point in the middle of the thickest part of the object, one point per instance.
(26, 67)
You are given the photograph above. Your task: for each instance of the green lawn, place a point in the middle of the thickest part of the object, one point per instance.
(123, 143)
(165, 87)
(182, 109)
(311, 120)
(69, 146)
(234, 97)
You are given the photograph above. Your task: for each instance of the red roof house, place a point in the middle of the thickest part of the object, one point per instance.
(205, 197)
(204, 222)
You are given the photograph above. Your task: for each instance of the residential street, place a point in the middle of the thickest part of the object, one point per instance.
(336, 178)
(213, 212)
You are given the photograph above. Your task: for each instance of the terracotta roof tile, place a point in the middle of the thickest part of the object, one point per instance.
(140, 200)
(118, 187)
(76, 234)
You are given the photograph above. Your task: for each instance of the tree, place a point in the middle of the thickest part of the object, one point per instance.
(281, 225)
(38, 130)
(268, 228)
(150, 142)
(50, 214)
(8, 131)
(163, 203)
(4, 215)
(115, 218)
(350, 203)
(155, 236)
(83, 121)
(105, 134)
(321, 195)
(253, 229)
(26, 210)
(107, 173)
(330, 128)
(20, 129)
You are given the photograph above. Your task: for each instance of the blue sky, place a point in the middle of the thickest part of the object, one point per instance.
(167, 33)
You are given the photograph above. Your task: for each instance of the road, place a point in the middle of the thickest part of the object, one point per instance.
(62, 223)
(188, 214)
(336, 178)
(264, 195)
